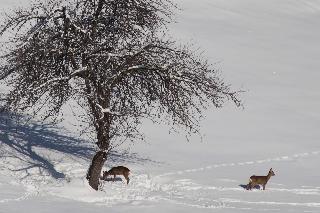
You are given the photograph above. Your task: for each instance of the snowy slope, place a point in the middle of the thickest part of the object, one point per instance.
(271, 49)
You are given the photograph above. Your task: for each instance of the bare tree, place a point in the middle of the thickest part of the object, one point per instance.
(112, 56)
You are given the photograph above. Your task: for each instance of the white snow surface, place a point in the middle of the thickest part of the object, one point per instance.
(270, 49)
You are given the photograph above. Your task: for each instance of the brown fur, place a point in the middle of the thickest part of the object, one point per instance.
(119, 170)
(260, 180)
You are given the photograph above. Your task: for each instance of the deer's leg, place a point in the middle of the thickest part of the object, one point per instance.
(251, 185)
(114, 178)
(264, 186)
(248, 185)
(127, 178)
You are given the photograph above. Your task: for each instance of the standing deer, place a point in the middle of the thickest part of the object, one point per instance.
(119, 170)
(263, 180)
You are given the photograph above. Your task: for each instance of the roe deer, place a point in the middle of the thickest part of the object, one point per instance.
(119, 170)
(263, 180)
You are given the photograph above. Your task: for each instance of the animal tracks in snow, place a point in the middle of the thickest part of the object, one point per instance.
(317, 205)
(15, 193)
(276, 159)
(188, 193)
(23, 197)
(219, 194)
(223, 194)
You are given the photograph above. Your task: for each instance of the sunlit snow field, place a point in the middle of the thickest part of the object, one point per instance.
(269, 49)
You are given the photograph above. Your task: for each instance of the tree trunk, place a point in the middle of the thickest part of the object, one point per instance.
(95, 168)
(102, 127)
(93, 175)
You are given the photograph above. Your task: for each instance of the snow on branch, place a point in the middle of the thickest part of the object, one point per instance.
(67, 78)
(51, 81)
(106, 110)
(79, 71)
(136, 67)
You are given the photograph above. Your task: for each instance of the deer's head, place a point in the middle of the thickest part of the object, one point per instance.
(271, 172)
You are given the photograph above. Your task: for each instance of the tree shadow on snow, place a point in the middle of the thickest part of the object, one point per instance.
(20, 143)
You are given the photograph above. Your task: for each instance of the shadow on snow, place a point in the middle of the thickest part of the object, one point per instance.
(20, 142)
(245, 186)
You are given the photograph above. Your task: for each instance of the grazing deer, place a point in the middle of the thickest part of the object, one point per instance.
(119, 170)
(256, 180)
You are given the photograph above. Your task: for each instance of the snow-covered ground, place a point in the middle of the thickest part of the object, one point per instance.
(271, 49)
